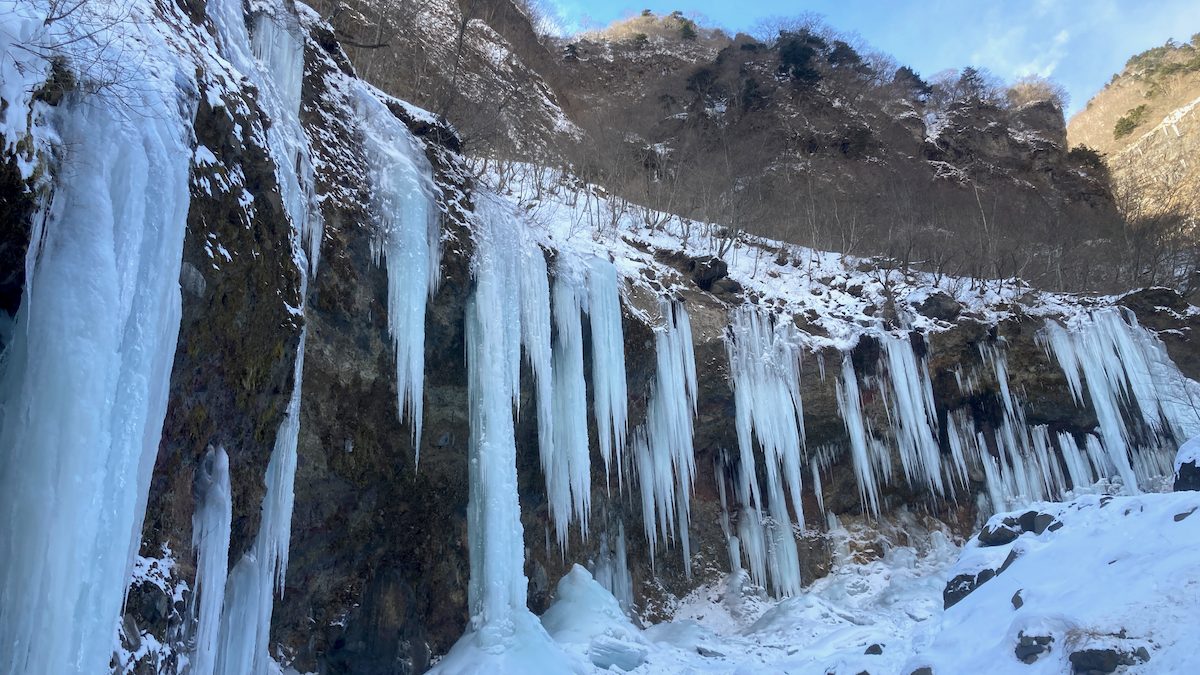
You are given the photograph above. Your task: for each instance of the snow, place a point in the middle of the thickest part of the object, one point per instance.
(1189, 453)
(211, 527)
(1139, 589)
(408, 238)
(84, 380)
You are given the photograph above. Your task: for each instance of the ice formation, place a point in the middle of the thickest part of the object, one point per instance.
(85, 377)
(764, 361)
(211, 527)
(1126, 369)
(503, 635)
(870, 459)
(250, 590)
(569, 477)
(662, 448)
(910, 407)
(408, 239)
(612, 568)
(609, 391)
(273, 58)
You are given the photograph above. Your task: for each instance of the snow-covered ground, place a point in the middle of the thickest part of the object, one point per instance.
(1119, 574)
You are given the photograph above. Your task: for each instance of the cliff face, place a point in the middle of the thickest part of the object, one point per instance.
(802, 139)
(1146, 123)
(379, 557)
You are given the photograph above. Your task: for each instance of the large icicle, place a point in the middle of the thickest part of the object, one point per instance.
(503, 635)
(84, 380)
(408, 239)
(910, 406)
(663, 448)
(863, 448)
(609, 393)
(569, 475)
(211, 526)
(764, 361)
(1126, 368)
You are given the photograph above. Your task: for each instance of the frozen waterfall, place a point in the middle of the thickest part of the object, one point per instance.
(84, 381)
(211, 526)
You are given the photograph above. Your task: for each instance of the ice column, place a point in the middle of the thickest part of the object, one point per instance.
(408, 239)
(211, 525)
(84, 380)
(503, 635)
(863, 448)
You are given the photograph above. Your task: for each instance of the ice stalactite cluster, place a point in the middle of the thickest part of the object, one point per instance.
(273, 59)
(211, 527)
(1123, 368)
(910, 407)
(610, 395)
(764, 360)
(85, 376)
(408, 238)
(662, 448)
(872, 464)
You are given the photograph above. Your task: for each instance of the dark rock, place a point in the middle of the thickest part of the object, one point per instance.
(875, 649)
(1017, 601)
(706, 271)
(1095, 660)
(963, 585)
(940, 306)
(1187, 477)
(1030, 647)
(1055, 526)
(1185, 514)
(1000, 534)
(923, 670)
(726, 288)
(1041, 522)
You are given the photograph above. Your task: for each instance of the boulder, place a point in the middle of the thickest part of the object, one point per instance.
(940, 306)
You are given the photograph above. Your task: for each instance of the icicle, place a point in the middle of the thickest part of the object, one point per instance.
(250, 590)
(85, 378)
(408, 238)
(211, 525)
(911, 410)
(663, 448)
(612, 568)
(850, 406)
(569, 475)
(608, 361)
(764, 365)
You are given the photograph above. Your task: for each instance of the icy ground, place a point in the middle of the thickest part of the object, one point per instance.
(1119, 574)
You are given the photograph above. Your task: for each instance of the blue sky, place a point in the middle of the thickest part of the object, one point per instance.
(1079, 43)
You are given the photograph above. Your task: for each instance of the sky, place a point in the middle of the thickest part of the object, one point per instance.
(1079, 43)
